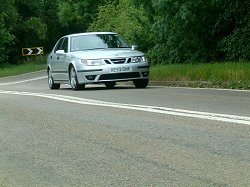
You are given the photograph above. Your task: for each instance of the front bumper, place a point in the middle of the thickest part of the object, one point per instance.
(106, 73)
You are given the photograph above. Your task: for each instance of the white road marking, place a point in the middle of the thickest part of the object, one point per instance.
(18, 82)
(153, 109)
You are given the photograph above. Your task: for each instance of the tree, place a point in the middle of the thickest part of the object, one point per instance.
(5, 38)
(30, 29)
(182, 30)
(118, 17)
(169, 31)
(234, 28)
(8, 18)
(54, 28)
(75, 16)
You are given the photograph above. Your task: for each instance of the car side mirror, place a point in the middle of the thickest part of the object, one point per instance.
(60, 52)
(134, 47)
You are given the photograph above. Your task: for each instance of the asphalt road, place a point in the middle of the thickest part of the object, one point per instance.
(158, 136)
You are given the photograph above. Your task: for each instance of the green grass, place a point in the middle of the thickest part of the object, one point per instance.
(235, 75)
(223, 75)
(10, 70)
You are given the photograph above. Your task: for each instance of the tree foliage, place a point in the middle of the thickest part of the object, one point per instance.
(118, 17)
(5, 38)
(76, 15)
(8, 18)
(169, 31)
(234, 26)
(197, 30)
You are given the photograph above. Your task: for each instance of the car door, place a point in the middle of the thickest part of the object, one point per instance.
(53, 59)
(59, 62)
(62, 61)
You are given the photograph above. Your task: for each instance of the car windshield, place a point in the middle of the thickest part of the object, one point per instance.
(97, 41)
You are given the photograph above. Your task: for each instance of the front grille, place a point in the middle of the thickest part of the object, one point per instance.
(119, 76)
(118, 61)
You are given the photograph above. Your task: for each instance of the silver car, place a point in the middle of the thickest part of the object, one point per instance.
(95, 57)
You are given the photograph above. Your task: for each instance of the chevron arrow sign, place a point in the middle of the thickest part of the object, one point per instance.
(32, 51)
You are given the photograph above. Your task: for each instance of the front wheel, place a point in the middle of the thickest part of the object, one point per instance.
(141, 83)
(51, 83)
(74, 81)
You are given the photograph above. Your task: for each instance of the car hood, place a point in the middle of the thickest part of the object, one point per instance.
(106, 53)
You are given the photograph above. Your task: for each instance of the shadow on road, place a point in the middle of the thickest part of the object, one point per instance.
(96, 88)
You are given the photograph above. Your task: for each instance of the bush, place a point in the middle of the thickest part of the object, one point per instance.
(237, 45)
(158, 55)
(5, 38)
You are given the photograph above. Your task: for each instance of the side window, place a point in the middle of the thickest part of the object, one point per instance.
(65, 45)
(59, 45)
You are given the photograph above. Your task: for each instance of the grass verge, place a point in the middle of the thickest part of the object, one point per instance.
(234, 75)
(10, 70)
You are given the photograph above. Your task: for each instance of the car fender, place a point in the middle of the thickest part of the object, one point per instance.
(73, 62)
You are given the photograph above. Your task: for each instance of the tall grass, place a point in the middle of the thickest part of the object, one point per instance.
(9, 70)
(223, 75)
(228, 75)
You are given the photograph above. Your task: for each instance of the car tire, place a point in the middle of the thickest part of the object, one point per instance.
(141, 83)
(74, 81)
(110, 85)
(51, 83)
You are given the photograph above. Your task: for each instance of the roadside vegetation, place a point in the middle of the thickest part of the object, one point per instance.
(233, 75)
(17, 69)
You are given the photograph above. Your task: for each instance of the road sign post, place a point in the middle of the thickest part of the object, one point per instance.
(33, 51)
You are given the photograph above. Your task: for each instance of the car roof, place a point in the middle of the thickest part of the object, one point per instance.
(89, 33)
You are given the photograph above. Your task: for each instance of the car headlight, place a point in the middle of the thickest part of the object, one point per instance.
(139, 59)
(93, 62)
